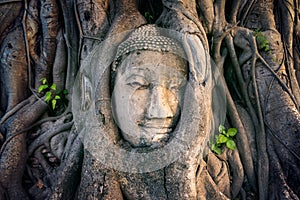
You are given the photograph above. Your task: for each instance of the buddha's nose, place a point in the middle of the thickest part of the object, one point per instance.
(159, 107)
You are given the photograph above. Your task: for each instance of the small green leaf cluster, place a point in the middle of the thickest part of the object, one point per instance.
(149, 17)
(224, 138)
(262, 41)
(51, 92)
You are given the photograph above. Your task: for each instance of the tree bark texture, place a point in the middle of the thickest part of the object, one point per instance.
(255, 46)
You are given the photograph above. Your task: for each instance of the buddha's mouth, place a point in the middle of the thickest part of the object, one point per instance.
(157, 124)
(157, 130)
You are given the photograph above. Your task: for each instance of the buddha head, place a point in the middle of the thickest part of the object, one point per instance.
(144, 100)
(150, 77)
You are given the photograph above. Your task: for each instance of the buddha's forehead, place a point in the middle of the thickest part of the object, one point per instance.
(154, 74)
(154, 60)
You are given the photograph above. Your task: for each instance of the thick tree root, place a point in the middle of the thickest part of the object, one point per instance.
(14, 153)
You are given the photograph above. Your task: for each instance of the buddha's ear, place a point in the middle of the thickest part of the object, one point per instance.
(197, 57)
(86, 93)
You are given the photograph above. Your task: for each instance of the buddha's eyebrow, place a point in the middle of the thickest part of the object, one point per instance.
(135, 76)
(134, 70)
(179, 82)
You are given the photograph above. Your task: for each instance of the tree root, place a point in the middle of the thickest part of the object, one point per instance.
(278, 79)
(16, 108)
(68, 173)
(71, 41)
(13, 151)
(15, 125)
(242, 144)
(257, 117)
(60, 63)
(263, 159)
(10, 1)
(44, 138)
(262, 168)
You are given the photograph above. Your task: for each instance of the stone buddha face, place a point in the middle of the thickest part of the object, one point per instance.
(147, 96)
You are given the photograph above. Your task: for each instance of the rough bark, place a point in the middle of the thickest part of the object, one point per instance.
(254, 44)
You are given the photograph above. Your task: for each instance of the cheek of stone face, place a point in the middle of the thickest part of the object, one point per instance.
(138, 105)
(119, 108)
(173, 101)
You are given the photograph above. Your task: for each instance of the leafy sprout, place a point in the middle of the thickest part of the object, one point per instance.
(225, 138)
(51, 92)
(149, 17)
(262, 41)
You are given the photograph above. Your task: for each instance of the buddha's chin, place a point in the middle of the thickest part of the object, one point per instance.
(159, 138)
(149, 137)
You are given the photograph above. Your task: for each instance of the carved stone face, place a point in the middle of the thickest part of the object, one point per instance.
(148, 93)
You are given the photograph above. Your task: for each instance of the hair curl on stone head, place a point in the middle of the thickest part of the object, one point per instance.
(147, 37)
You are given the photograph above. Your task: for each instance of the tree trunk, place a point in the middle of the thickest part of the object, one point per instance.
(57, 69)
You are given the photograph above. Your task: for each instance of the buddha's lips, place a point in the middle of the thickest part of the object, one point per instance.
(157, 130)
(157, 124)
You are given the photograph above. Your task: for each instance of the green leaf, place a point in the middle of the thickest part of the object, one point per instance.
(58, 92)
(222, 139)
(231, 144)
(226, 134)
(48, 96)
(216, 136)
(53, 104)
(42, 88)
(216, 149)
(43, 80)
(57, 97)
(222, 129)
(232, 132)
(267, 48)
(148, 16)
(65, 92)
(53, 86)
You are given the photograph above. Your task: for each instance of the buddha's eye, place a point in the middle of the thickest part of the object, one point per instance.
(138, 82)
(175, 86)
(139, 85)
